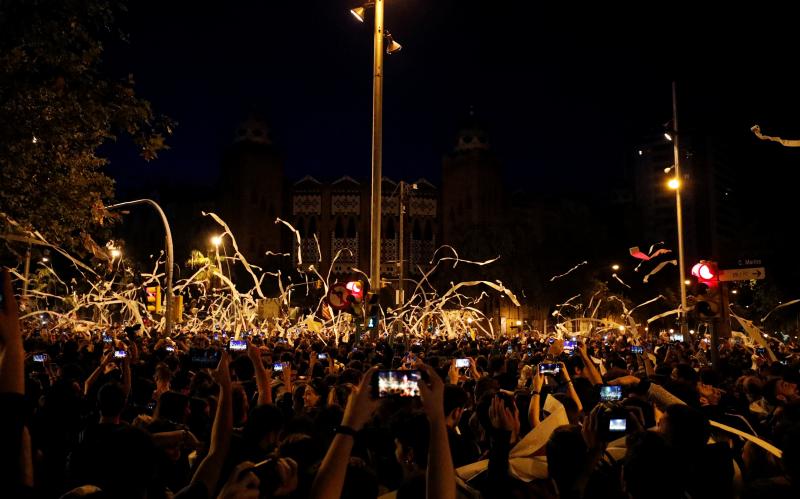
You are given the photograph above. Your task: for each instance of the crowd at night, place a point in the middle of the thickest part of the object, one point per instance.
(397, 248)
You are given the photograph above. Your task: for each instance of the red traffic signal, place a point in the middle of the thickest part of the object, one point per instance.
(706, 272)
(356, 289)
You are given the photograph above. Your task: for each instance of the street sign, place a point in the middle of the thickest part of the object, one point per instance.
(337, 296)
(742, 274)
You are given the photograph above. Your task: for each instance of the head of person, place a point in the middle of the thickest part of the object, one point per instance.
(411, 440)
(111, 400)
(315, 395)
(565, 447)
(455, 401)
(264, 426)
(684, 428)
(644, 469)
(172, 406)
(778, 391)
(684, 373)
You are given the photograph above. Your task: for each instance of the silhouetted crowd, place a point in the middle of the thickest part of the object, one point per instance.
(128, 413)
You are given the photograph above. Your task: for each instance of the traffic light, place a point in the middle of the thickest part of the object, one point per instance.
(355, 290)
(708, 299)
(373, 311)
(177, 308)
(153, 298)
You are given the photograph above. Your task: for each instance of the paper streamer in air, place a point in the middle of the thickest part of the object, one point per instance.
(784, 142)
(658, 268)
(778, 307)
(568, 272)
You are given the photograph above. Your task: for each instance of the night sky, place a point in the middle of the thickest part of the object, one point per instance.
(564, 93)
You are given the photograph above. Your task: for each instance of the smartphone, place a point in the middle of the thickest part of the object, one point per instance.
(609, 393)
(201, 357)
(553, 369)
(216, 336)
(277, 367)
(283, 340)
(170, 349)
(107, 338)
(617, 425)
(120, 354)
(510, 349)
(569, 346)
(322, 356)
(761, 351)
(392, 383)
(237, 345)
(551, 340)
(39, 357)
(637, 349)
(461, 363)
(676, 337)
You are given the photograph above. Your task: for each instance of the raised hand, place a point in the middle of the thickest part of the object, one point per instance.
(432, 392)
(360, 404)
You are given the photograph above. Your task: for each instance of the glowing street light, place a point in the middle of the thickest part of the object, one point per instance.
(668, 136)
(519, 323)
(687, 282)
(115, 253)
(216, 241)
(674, 184)
(734, 292)
(615, 267)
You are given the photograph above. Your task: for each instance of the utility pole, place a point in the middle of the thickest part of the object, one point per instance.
(377, 149)
(679, 212)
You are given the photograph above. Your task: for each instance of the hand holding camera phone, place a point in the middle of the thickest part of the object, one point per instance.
(610, 393)
(549, 368)
(277, 367)
(396, 383)
(462, 363)
(237, 345)
(39, 357)
(120, 354)
(637, 350)
(322, 356)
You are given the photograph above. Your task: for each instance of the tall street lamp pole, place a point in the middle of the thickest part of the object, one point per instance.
(377, 148)
(170, 262)
(679, 211)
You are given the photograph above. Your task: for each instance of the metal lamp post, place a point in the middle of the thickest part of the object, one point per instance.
(168, 239)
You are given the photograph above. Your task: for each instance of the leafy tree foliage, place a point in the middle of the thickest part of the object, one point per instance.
(57, 108)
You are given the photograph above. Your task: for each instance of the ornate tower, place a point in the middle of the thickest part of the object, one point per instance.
(252, 190)
(472, 188)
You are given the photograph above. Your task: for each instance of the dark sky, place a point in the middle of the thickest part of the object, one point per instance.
(565, 92)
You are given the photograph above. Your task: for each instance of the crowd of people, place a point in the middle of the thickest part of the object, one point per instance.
(129, 413)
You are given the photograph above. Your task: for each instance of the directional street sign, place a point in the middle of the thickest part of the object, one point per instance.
(742, 274)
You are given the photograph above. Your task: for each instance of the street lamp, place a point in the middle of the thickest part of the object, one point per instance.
(674, 184)
(216, 241)
(379, 34)
(115, 253)
(615, 267)
(170, 260)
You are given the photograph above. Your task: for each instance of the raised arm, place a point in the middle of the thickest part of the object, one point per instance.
(329, 481)
(263, 376)
(209, 469)
(534, 409)
(87, 385)
(571, 387)
(15, 451)
(591, 370)
(440, 482)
